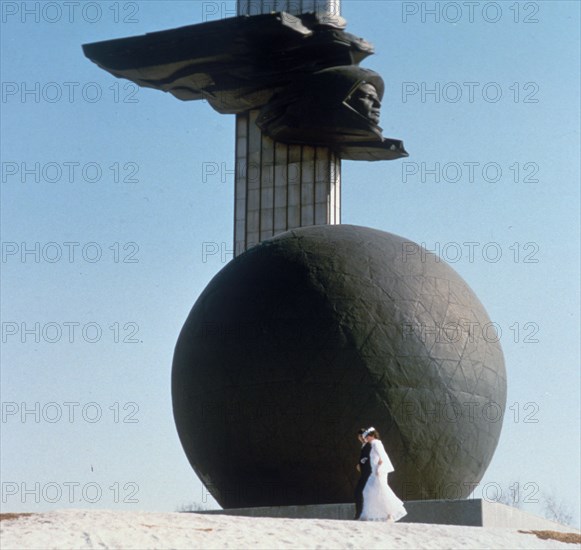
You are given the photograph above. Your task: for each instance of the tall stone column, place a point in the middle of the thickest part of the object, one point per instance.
(278, 186)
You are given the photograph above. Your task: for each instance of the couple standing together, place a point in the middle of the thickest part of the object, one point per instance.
(374, 499)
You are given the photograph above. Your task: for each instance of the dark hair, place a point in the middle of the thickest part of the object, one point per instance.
(360, 432)
(374, 433)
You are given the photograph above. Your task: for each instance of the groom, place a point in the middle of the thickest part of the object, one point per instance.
(364, 468)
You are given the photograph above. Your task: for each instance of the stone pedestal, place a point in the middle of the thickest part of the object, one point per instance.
(473, 512)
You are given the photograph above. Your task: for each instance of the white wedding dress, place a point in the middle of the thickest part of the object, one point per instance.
(379, 501)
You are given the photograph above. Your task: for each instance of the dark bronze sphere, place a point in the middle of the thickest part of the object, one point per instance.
(317, 332)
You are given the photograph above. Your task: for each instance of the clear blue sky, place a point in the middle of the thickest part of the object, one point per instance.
(122, 174)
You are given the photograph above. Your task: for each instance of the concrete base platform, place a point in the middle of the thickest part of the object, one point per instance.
(475, 512)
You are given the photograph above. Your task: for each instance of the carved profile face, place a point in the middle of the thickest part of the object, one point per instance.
(342, 105)
(365, 100)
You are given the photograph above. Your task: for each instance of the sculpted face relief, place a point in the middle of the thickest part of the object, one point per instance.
(366, 102)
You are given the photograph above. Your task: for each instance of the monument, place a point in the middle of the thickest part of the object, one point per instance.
(315, 328)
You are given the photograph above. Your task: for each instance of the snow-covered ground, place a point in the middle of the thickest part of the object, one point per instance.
(80, 529)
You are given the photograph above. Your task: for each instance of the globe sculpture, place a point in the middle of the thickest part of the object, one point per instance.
(303, 339)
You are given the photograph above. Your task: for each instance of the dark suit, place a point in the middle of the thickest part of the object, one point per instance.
(365, 471)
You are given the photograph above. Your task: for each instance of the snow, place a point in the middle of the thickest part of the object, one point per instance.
(80, 529)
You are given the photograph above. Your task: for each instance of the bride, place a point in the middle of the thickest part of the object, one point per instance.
(380, 503)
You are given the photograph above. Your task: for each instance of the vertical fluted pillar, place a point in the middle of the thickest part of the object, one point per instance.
(279, 186)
